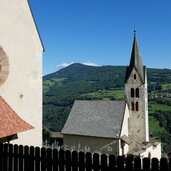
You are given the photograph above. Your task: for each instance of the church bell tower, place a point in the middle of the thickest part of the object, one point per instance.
(137, 98)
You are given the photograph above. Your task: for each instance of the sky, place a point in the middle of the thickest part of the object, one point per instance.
(100, 32)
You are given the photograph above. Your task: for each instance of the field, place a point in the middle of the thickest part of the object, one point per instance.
(153, 106)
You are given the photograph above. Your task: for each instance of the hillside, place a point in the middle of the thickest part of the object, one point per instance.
(78, 81)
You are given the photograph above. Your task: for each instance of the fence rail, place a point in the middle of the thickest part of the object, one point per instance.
(24, 158)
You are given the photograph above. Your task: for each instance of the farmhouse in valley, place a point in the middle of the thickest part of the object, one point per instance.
(115, 127)
(20, 75)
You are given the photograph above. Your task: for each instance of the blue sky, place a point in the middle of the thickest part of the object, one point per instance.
(100, 32)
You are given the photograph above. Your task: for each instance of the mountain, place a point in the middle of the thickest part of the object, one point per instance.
(78, 81)
(87, 77)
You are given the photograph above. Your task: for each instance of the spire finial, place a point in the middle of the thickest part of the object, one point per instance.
(134, 32)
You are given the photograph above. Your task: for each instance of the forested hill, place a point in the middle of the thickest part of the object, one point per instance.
(91, 75)
(78, 81)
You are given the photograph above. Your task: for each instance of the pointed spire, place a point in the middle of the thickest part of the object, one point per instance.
(135, 55)
(135, 61)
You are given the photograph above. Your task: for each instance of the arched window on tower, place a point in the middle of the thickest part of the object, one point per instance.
(132, 92)
(137, 107)
(137, 92)
(132, 105)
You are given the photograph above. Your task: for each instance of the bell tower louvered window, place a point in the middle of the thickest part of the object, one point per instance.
(132, 92)
(137, 106)
(132, 105)
(137, 92)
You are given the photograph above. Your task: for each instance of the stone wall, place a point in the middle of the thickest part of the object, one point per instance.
(138, 120)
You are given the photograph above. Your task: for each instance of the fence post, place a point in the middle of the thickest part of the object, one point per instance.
(155, 164)
(112, 163)
(1, 156)
(55, 160)
(88, 161)
(146, 164)
(37, 159)
(137, 164)
(49, 159)
(31, 158)
(81, 161)
(43, 159)
(68, 160)
(16, 157)
(5, 157)
(10, 154)
(163, 164)
(74, 161)
(170, 164)
(21, 156)
(104, 166)
(27, 166)
(61, 160)
(120, 163)
(129, 163)
(96, 164)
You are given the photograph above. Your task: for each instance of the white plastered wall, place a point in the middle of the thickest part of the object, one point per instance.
(154, 151)
(124, 130)
(23, 87)
(99, 145)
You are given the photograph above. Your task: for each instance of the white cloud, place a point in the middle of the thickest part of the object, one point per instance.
(89, 63)
(63, 65)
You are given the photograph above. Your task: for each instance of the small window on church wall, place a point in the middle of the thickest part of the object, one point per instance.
(132, 106)
(137, 107)
(137, 92)
(135, 76)
(132, 92)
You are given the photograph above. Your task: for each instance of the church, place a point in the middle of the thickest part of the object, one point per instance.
(21, 51)
(115, 127)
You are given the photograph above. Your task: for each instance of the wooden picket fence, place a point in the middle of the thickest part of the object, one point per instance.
(24, 158)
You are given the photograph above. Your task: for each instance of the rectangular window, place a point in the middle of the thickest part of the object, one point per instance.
(132, 92)
(132, 106)
(137, 107)
(137, 92)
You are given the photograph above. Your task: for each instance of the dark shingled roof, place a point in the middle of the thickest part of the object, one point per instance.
(135, 61)
(99, 118)
(10, 122)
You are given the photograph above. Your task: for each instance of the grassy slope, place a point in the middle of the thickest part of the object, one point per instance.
(153, 106)
(105, 94)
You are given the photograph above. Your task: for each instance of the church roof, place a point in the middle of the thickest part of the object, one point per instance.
(99, 118)
(135, 61)
(10, 122)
